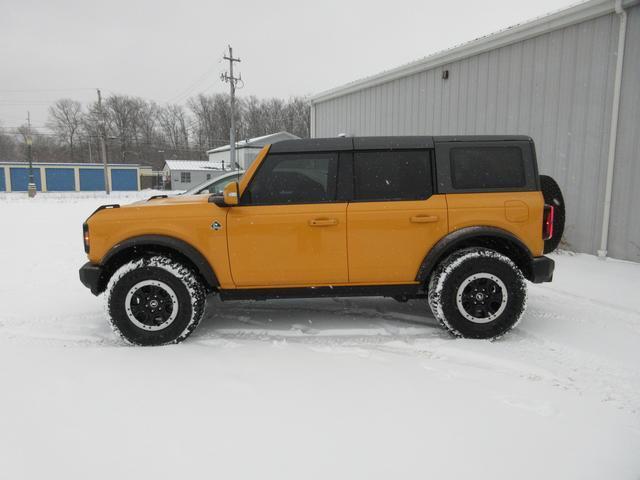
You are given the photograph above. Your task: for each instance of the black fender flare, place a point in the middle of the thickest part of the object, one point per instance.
(143, 242)
(476, 236)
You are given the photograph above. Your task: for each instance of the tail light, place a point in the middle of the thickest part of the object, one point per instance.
(85, 237)
(547, 222)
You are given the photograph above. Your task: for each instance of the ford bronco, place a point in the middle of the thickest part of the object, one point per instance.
(459, 221)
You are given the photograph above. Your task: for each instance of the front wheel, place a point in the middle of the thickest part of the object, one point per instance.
(477, 293)
(155, 301)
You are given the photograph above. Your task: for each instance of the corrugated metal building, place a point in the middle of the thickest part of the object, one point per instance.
(555, 79)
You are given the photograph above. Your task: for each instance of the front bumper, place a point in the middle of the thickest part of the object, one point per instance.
(90, 276)
(541, 269)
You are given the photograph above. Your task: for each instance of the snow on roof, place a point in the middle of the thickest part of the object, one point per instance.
(258, 142)
(194, 165)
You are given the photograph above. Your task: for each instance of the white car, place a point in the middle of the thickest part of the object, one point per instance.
(215, 185)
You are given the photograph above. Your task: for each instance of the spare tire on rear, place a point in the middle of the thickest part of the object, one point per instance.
(553, 196)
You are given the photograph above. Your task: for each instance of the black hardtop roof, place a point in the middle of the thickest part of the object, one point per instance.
(383, 143)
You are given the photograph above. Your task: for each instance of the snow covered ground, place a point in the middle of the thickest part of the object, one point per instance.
(348, 388)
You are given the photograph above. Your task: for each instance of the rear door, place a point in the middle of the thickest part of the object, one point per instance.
(394, 218)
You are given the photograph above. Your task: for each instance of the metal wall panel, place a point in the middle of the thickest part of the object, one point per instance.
(3, 185)
(91, 179)
(60, 179)
(624, 230)
(556, 87)
(124, 179)
(20, 179)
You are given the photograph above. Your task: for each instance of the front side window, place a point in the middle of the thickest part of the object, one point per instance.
(185, 177)
(392, 175)
(294, 178)
(487, 167)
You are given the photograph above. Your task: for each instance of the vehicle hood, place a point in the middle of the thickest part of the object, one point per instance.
(172, 200)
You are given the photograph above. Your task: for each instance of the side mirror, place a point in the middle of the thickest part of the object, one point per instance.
(230, 193)
(229, 196)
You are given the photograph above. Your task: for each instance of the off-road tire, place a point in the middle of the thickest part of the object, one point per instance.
(553, 196)
(182, 288)
(464, 267)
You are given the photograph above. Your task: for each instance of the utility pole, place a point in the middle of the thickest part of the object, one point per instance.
(31, 188)
(232, 87)
(103, 146)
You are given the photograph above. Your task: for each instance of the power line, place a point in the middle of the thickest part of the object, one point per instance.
(185, 92)
(25, 104)
(28, 90)
(19, 126)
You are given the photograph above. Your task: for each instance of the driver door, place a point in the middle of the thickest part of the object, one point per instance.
(289, 230)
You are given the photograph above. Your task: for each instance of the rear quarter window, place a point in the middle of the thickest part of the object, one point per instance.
(487, 167)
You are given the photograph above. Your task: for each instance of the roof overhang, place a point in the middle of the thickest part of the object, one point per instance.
(517, 33)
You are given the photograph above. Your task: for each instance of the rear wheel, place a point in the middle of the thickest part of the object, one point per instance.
(477, 293)
(155, 301)
(553, 196)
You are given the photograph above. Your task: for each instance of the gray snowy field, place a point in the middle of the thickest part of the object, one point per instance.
(348, 388)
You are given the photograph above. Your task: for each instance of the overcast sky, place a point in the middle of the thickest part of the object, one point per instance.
(168, 51)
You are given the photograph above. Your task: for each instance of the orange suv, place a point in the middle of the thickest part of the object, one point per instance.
(459, 221)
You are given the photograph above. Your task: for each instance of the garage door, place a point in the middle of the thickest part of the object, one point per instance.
(91, 179)
(20, 179)
(124, 179)
(60, 179)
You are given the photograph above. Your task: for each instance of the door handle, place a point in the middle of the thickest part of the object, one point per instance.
(424, 219)
(323, 222)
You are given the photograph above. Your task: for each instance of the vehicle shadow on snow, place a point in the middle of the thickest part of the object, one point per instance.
(308, 320)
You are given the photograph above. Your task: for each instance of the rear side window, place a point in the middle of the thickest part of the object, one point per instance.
(487, 167)
(392, 175)
(294, 178)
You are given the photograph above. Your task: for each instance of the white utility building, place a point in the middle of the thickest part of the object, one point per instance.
(246, 150)
(184, 174)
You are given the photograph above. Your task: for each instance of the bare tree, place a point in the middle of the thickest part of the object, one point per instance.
(121, 113)
(173, 123)
(297, 116)
(45, 147)
(65, 119)
(212, 119)
(148, 133)
(253, 114)
(147, 123)
(7, 145)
